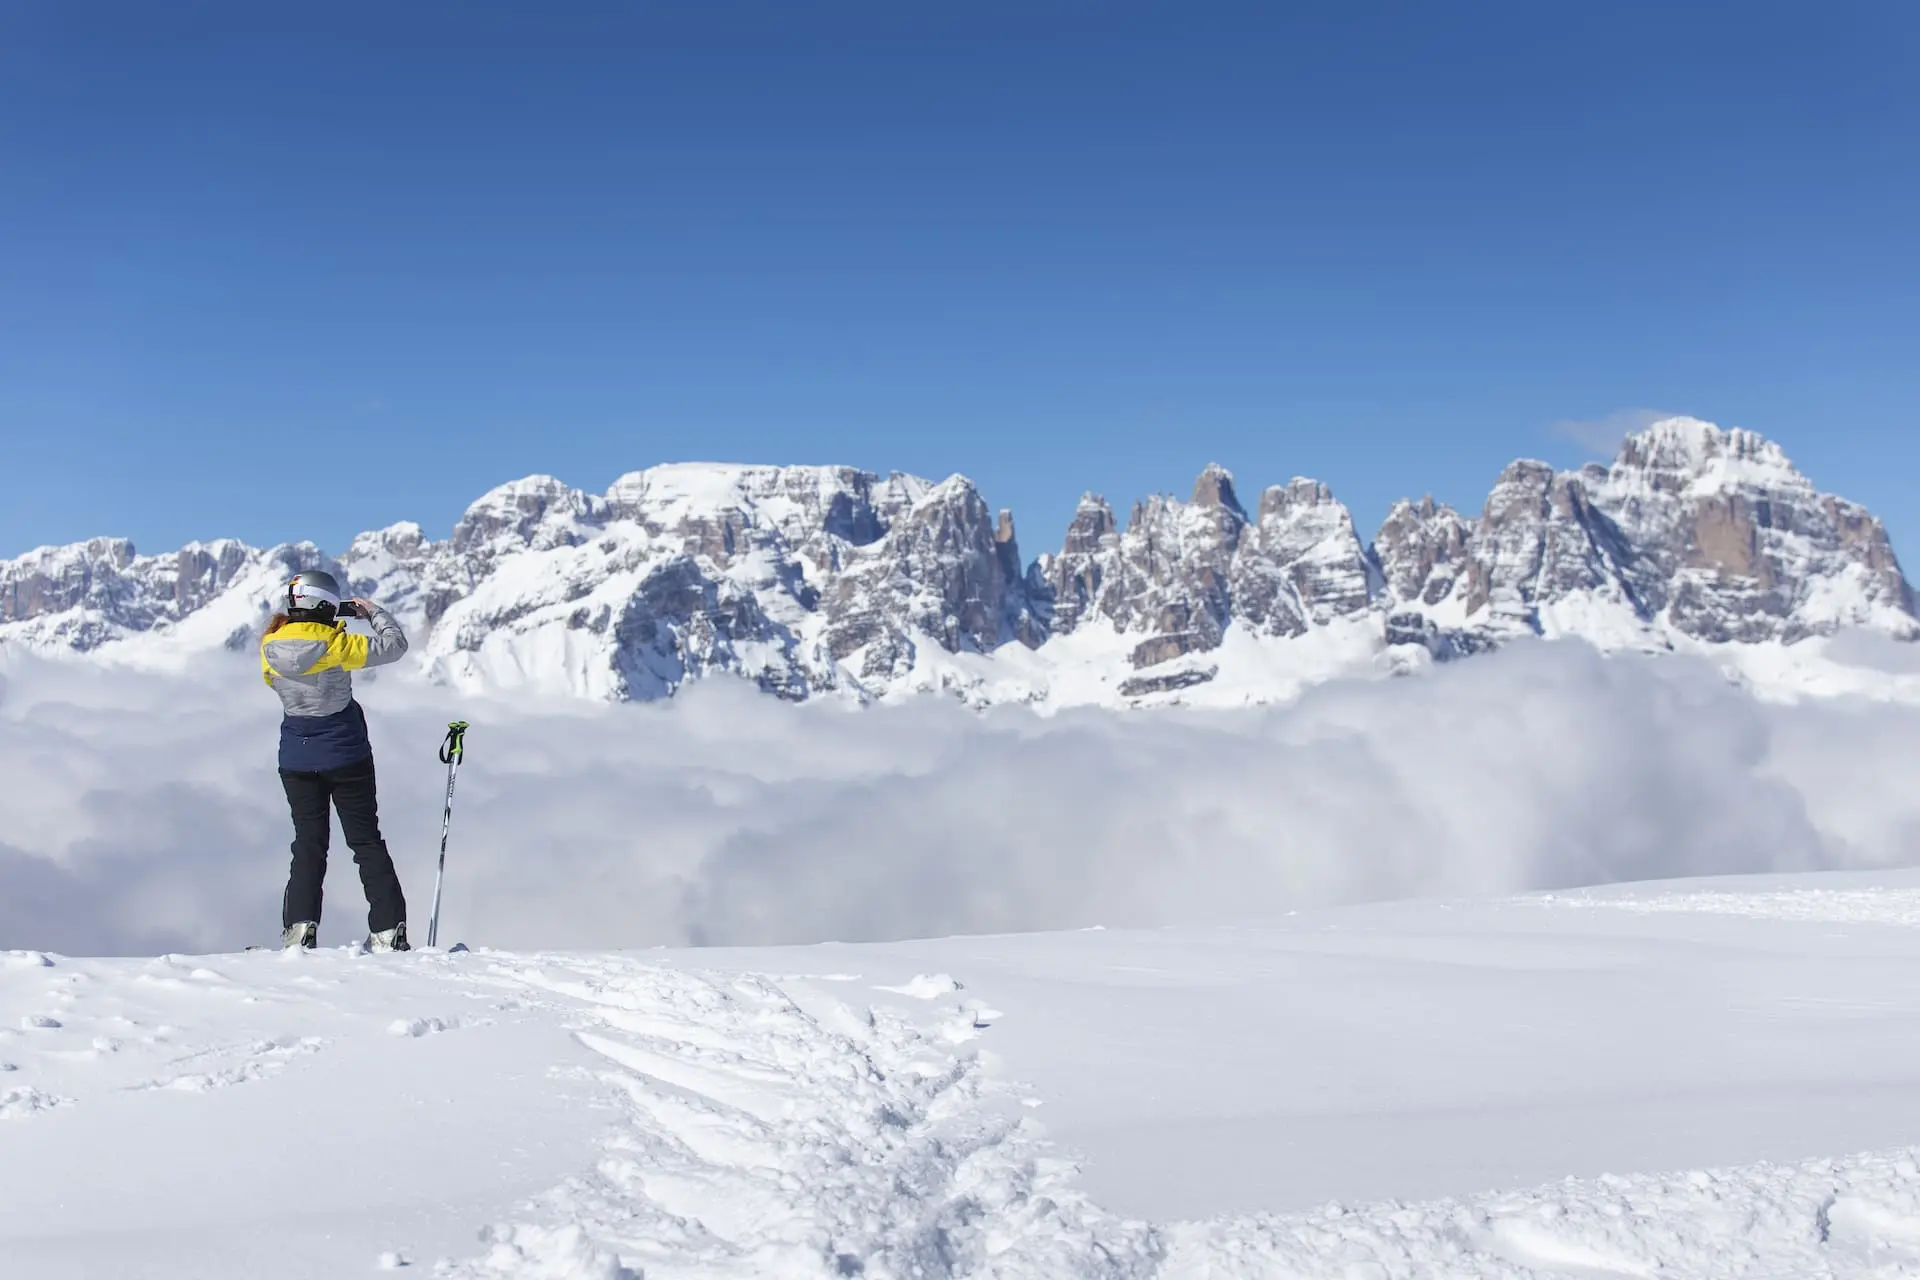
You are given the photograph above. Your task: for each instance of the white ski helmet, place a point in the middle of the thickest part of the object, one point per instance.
(310, 589)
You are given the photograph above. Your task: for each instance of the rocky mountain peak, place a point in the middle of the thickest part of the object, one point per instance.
(537, 511)
(1214, 488)
(1422, 549)
(1693, 533)
(1281, 501)
(1093, 524)
(1692, 451)
(1734, 544)
(1303, 564)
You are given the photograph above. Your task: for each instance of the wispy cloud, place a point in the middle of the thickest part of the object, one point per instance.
(1601, 436)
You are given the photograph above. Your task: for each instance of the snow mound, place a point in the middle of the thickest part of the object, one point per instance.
(414, 1028)
(924, 986)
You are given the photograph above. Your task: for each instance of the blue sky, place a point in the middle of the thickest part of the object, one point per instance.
(290, 272)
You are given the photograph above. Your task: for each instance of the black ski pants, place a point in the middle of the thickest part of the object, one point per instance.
(351, 789)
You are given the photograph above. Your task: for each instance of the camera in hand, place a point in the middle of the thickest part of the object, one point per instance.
(348, 609)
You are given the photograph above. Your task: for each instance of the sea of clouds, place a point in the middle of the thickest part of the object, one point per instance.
(141, 813)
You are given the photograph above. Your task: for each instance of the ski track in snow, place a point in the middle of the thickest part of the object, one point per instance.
(778, 1126)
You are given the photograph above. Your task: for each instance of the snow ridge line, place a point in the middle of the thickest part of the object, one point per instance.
(1822, 906)
(760, 1138)
(1856, 1218)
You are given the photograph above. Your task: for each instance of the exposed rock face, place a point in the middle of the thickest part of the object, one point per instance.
(944, 569)
(1736, 545)
(1541, 540)
(1302, 564)
(1693, 534)
(1073, 579)
(815, 579)
(803, 579)
(1422, 551)
(1182, 572)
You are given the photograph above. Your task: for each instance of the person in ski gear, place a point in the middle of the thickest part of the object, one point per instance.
(307, 656)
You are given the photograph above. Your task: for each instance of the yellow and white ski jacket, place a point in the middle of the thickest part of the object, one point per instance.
(310, 665)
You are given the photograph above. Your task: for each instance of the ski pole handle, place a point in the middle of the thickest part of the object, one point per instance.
(455, 743)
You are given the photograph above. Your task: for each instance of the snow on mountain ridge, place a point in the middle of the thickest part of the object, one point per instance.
(816, 580)
(1709, 457)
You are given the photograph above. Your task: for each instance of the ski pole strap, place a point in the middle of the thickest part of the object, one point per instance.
(454, 747)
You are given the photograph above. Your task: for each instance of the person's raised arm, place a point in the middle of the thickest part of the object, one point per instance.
(388, 641)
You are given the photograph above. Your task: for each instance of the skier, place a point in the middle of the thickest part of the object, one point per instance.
(305, 657)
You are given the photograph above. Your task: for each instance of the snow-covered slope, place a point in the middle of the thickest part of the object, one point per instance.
(817, 581)
(1645, 1081)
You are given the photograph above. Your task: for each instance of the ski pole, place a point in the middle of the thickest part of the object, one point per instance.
(451, 751)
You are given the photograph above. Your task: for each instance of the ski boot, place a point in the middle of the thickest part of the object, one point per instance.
(394, 939)
(303, 934)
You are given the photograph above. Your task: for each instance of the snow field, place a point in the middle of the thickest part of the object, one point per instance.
(219, 1114)
(870, 1110)
(746, 1125)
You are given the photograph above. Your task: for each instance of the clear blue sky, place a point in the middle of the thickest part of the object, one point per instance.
(283, 271)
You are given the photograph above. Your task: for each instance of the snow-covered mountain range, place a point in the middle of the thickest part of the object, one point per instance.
(829, 580)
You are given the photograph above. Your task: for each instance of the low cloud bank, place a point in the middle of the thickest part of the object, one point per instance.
(142, 813)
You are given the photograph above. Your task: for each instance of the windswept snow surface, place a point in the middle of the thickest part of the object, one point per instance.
(1642, 1081)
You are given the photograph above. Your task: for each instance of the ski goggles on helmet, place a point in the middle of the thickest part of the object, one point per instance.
(312, 588)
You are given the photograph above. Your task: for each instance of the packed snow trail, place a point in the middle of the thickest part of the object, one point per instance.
(759, 1138)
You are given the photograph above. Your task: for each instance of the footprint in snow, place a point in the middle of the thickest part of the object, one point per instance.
(414, 1028)
(16, 1104)
(39, 1022)
(262, 1058)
